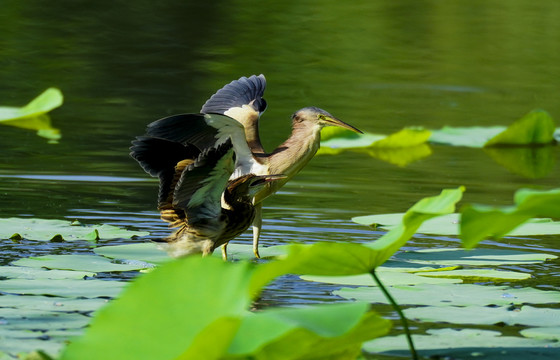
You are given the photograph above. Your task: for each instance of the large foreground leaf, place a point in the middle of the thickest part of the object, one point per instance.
(327, 331)
(195, 308)
(168, 313)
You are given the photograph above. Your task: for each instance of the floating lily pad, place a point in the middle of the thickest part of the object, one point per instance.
(480, 315)
(400, 148)
(479, 275)
(148, 252)
(387, 277)
(466, 344)
(63, 288)
(60, 230)
(546, 333)
(34, 115)
(535, 128)
(79, 262)
(41, 320)
(21, 272)
(474, 257)
(474, 136)
(450, 225)
(456, 295)
(46, 303)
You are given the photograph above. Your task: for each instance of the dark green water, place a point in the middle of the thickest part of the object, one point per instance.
(378, 65)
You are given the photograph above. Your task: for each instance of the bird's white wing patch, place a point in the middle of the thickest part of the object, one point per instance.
(229, 128)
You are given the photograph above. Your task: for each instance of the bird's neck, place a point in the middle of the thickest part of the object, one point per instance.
(253, 140)
(292, 155)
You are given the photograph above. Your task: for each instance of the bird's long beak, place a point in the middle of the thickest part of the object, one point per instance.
(337, 122)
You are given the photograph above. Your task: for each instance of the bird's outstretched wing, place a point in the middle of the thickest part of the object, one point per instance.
(164, 159)
(244, 91)
(199, 189)
(206, 131)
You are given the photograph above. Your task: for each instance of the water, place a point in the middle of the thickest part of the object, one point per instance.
(378, 65)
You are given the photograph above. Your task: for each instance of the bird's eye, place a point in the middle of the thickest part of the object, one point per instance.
(321, 117)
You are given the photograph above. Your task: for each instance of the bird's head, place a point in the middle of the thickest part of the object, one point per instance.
(247, 186)
(314, 115)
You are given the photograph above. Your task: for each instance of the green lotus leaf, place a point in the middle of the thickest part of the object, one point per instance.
(546, 333)
(535, 128)
(465, 136)
(450, 225)
(526, 315)
(474, 257)
(479, 275)
(48, 100)
(148, 252)
(34, 115)
(49, 303)
(64, 288)
(479, 221)
(400, 148)
(41, 320)
(388, 278)
(91, 263)
(454, 295)
(176, 303)
(466, 344)
(60, 230)
(21, 272)
(319, 332)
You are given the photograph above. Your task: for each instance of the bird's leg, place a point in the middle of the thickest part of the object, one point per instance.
(257, 224)
(224, 251)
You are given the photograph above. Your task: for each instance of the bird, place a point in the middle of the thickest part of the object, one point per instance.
(233, 113)
(243, 101)
(196, 194)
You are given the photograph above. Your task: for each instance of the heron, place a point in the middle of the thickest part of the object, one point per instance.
(196, 193)
(243, 101)
(233, 113)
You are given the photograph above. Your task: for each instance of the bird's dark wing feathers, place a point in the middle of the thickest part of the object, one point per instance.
(158, 157)
(184, 129)
(199, 190)
(236, 94)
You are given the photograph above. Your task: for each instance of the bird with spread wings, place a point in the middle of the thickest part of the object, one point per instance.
(231, 116)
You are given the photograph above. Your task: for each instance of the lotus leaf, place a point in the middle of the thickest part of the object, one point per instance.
(467, 344)
(526, 315)
(58, 230)
(80, 263)
(456, 295)
(34, 115)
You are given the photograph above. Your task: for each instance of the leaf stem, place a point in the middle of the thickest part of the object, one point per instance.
(397, 308)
